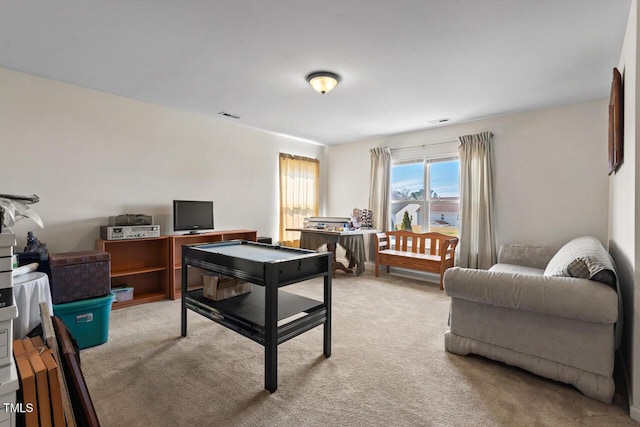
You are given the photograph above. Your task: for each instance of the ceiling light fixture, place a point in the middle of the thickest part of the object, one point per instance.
(323, 81)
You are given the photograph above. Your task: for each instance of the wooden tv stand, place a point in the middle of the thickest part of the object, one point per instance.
(153, 266)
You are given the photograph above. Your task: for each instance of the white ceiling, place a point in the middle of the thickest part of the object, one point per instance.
(403, 63)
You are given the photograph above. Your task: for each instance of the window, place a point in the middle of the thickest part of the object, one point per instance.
(299, 195)
(421, 211)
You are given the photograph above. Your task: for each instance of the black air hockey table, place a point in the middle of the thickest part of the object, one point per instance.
(257, 314)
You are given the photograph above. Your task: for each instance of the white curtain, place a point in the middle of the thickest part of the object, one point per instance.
(299, 195)
(477, 246)
(379, 187)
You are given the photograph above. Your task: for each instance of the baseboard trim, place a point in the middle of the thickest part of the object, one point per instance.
(634, 412)
(414, 274)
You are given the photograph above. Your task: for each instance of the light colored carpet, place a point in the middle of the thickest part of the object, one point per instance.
(388, 368)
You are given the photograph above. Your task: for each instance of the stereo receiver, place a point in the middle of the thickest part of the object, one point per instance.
(131, 219)
(129, 232)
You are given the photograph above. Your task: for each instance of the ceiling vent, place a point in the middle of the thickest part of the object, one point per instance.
(225, 114)
(438, 121)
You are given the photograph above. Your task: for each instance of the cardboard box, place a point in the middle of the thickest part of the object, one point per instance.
(55, 390)
(35, 347)
(42, 382)
(27, 391)
(6, 279)
(218, 287)
(6, 263)
(8, 388)
(7, 314)
(6, 250)
(6, 295)
(7, 238)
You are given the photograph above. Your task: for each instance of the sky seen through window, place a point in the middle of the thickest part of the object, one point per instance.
(445, 177)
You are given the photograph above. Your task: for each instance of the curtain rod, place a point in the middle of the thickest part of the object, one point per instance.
(424, 145)
(295, 157)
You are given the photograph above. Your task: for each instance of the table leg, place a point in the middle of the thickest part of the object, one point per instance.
(352, 263)
(271, 337)
(337, 265)
(183, 304)
(327, 323)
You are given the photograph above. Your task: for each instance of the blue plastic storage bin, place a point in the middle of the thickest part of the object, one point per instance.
(87, 320)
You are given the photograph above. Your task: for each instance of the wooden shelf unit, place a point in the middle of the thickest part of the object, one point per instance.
(142, 264)
(153, 266)
(175, 255)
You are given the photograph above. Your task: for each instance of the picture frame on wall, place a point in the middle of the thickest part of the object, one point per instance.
(616, 123)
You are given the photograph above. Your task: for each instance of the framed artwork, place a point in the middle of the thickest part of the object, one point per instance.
(616, 124)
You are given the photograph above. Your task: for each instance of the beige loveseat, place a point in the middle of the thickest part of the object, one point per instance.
(554, 313)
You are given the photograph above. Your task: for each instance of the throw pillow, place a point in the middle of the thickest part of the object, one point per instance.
(584, 258)
(578, 268)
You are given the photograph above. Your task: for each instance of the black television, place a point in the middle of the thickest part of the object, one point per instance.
(192, 215)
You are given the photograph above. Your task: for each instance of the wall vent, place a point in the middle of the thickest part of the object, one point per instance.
(225, 114)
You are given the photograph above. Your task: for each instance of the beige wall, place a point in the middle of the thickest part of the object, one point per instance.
(551, 183)
(623, 213)
(89, 155)
(550, 171)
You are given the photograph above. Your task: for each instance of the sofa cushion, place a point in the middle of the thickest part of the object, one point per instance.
(527, 255)
(584, 258)
(517, 269)
(566, 297)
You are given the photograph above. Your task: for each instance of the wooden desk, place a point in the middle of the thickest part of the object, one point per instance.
(352, 241)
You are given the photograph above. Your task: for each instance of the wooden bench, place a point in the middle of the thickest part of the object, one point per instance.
(430, 252)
